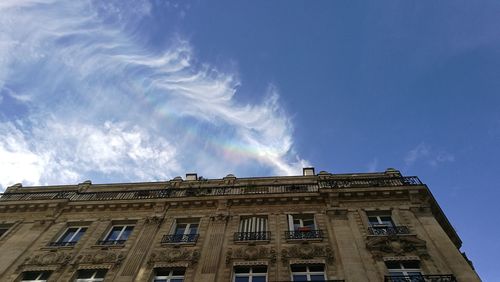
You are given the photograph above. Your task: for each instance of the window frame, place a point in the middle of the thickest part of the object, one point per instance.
(91, 279)
(170, 275)
(403, 270)
(38, 279)
(118, 238)
(68, 242)
(300, 217)
(250, 275)
(308, 272)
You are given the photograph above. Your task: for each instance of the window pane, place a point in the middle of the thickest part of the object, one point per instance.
(126, 233)
(181, 227)
(298, 268)
(309, 223)
(393, 265)
(115, 231)
(177, 280)
(415, 264)
(68, 234)
(259, 279)
(79, 235)
(259, 269)
(317, 277)
(31, 275)
(316, 268)
(160, 280)
(100, 273)
(241, 279)
(85, 273)
(179, 271)
(242, 269)
(193, 229)
(299, 277)
(387, 220)
(3, 231)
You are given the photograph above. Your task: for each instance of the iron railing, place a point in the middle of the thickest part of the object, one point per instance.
(304, 234)
(111, 242)
(179, 238)
(212, 191)
(328, 280)
(421, 278)
(252, 236)
(386, 230)
(63, 244)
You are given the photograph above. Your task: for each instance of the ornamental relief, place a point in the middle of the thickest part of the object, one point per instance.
(174, 255)
(307, 251)
(51, 258)
(251, 253)
(100, 257)
(397, 246)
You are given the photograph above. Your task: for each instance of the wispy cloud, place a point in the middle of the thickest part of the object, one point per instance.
(423, 152)
(101, 104)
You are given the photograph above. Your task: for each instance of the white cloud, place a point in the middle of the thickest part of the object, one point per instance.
(101, 104)
(431, 156)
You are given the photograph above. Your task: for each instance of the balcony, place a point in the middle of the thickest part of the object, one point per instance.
(179, 238)
(304, 234)
(62, 244)
(421, 278)
(388, 230)
(252, 236)
(111, 242)
(207, 190)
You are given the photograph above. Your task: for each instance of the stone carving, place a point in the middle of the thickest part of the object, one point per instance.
(154, 220)
(49, 258)
(307, 251)
(174, 255)
(251, 253)
(220, 217)
(396, 245)
(100, 257)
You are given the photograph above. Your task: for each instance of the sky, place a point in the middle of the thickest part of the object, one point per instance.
(123, 91)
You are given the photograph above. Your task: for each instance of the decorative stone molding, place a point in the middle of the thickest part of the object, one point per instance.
(155, 220)
(307, 251)
(174, 255)
(58, 259)
(251, 253)
(100, 257)
(395, 245)
(220, 217)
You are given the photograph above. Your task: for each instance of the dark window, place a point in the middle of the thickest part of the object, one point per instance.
(90, 275)
(35, 276)
(169, 275)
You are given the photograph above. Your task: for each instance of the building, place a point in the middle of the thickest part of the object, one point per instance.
(313, 227)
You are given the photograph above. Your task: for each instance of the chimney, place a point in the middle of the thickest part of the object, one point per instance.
(308, 171)
(191, 176)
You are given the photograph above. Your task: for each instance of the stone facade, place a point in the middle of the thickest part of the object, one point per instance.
(209, 228)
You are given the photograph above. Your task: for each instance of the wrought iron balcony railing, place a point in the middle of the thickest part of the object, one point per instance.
(111, 242)
(421, 278)
(304, 234)
(328, 280)
(386, 230)
(351, 182)
(252, 236)
(179, 238)
(63, 244)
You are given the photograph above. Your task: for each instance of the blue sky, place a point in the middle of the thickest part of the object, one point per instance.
(122, 91)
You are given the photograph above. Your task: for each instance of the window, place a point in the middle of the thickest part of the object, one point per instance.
(313, 272)
(302, 226)
(3, 230)
(35, 276)
(184, 231)
(90, 275)
(252, 228)
(117, 235)
(70, 237)
(404, 269)
(303, 222)
(169, 275)
(250, 273)
(382, 221)
(382, 224)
